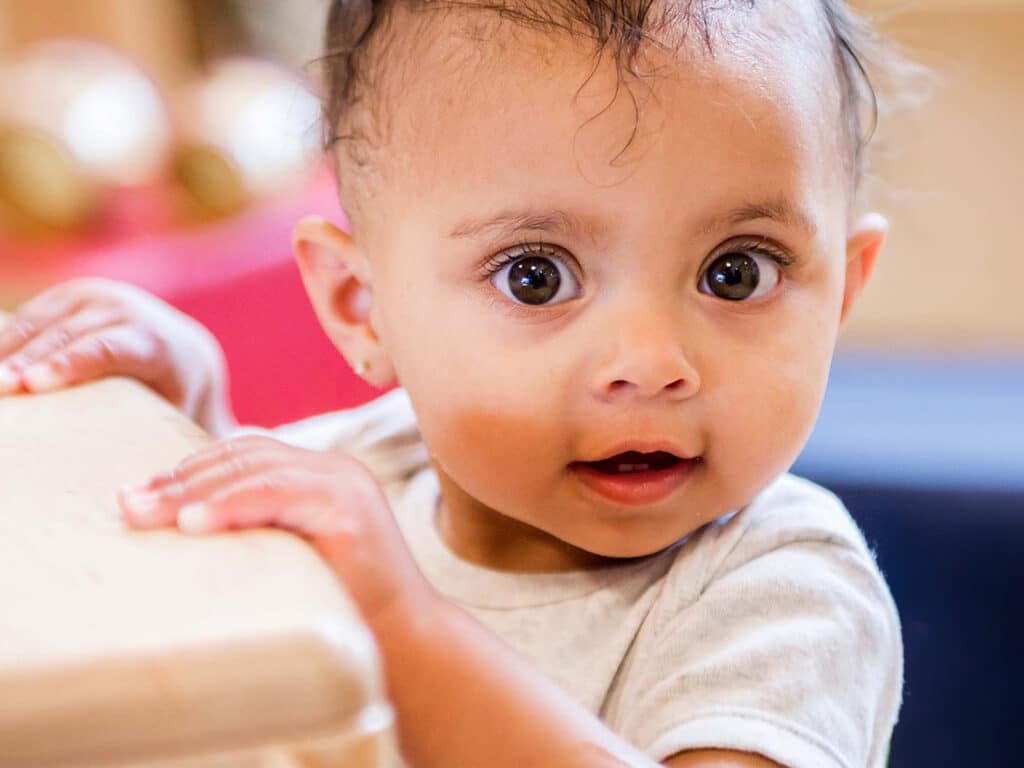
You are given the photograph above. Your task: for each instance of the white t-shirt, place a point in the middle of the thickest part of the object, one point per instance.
(770, 630)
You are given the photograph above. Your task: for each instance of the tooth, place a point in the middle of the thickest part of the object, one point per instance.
(633, 467)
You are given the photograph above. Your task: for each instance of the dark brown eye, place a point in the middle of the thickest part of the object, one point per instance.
(737, 276)
(532, 280)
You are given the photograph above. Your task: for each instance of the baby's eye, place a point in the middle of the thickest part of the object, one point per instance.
(741, 274)
(536, 280)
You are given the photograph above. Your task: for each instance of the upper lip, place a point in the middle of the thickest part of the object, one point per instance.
(643, 446)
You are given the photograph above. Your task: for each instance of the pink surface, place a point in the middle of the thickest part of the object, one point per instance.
(237, 277)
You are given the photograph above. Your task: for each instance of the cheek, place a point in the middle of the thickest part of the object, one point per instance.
(765, 410)
(488, 420)
(502, 459)
(425, 333)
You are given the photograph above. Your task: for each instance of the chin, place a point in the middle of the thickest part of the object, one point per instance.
(620, 547)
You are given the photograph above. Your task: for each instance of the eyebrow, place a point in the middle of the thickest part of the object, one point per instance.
(778, 209)
(508, 222)
(560, 221)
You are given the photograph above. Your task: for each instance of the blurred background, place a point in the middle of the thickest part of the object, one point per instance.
(173, 144)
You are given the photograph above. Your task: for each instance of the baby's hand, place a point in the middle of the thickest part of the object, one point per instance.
(90, 328)
(329, 499)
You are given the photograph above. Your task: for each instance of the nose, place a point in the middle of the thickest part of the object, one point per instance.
(644, 359)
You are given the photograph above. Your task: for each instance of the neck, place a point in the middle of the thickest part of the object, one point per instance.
(486, 537)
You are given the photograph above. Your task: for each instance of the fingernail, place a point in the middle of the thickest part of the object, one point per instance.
(41, 377)
(153, 485)
(194, 518)
(132, 490)
(9, 379)
(143, 504)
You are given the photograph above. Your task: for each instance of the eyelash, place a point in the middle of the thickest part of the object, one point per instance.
(522, 250)
(759, 246)
(539, 248)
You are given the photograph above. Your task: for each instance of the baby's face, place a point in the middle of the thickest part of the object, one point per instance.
(545, 307)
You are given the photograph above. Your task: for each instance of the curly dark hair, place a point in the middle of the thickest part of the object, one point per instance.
(356, 29)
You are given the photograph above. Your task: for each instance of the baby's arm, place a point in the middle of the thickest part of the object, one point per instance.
(470, 700)
(462, 697)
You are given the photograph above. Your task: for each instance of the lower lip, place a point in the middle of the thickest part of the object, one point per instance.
(636, 488)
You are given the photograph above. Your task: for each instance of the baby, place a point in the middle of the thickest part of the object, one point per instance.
(606, 250)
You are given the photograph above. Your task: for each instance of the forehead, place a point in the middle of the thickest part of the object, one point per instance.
(536, 113)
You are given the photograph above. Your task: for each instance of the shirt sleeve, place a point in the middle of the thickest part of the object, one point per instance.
(787, 645)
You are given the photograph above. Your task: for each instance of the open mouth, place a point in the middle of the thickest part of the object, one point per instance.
(634, 461)
(635, 477)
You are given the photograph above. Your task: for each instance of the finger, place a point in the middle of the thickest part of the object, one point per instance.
(288, 497)
(156, 503)
(32, 319)
(61, 333)
(123, 350)
(229, 452)
(37, 314)
(10, 380)
(144, 509)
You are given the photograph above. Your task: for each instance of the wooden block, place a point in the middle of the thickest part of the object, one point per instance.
(153, 648)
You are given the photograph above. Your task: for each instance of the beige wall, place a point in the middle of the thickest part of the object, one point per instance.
(951, 179)
(157, 33)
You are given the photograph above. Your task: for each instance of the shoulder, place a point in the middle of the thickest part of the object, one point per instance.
(795, 545)
(793, 508)
(775, 628)
(791, 512)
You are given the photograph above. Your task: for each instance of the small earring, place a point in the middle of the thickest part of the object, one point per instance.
(361, 367)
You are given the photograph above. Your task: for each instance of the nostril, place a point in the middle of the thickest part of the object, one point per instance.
(620, 384)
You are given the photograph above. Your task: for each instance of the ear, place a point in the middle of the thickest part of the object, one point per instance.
(336, 275)
(862, 248)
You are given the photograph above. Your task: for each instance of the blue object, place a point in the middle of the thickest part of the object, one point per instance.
(928, 455)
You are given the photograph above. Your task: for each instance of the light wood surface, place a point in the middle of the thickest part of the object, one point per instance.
(151, 647)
